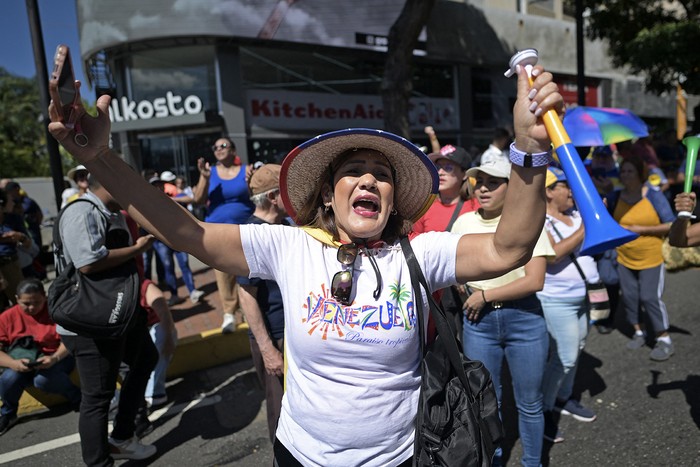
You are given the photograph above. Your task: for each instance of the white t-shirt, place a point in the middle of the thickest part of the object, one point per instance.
(563, 279)
(472, 223)
(352, 379)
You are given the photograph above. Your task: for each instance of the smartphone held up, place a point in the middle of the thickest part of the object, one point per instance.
(64, 92)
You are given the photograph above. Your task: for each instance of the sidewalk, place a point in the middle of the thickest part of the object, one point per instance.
(200, 341)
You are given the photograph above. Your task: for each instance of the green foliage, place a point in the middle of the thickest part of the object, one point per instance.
(22, 136)
(659, 39)
(23, 151)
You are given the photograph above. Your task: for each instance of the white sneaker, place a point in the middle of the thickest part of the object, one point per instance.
(130, 449)
(156, 401)
(196, 295)
(229, 324)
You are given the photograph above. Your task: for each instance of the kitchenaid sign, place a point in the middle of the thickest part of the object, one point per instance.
(306, 110)
(124, 110)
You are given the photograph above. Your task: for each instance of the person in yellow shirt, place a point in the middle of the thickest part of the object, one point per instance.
(644, 210)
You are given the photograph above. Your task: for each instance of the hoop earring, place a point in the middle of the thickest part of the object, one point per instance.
(394, 212)
(327, 208)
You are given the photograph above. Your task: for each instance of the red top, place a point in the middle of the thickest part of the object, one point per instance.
(438, 215)
(15, 323)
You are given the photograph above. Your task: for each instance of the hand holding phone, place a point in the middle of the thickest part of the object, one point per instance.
(65, 93)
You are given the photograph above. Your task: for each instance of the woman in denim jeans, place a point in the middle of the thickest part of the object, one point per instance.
(564, 303)
(503, 315)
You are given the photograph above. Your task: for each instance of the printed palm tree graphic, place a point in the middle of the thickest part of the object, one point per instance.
(401, 294)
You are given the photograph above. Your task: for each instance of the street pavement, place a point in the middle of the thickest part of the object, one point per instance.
(648, 412)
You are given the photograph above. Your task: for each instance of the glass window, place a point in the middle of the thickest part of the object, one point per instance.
(183, 71)
(541, 8)
(334, 71)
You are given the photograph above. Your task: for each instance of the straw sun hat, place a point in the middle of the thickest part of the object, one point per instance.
(303, 170)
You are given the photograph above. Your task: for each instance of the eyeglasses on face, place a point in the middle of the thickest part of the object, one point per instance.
(448, 167)
(341, 285)
(221, 146)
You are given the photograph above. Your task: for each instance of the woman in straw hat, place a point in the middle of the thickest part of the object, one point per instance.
(351, 348)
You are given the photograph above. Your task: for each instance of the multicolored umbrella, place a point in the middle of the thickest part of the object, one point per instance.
(600, 126)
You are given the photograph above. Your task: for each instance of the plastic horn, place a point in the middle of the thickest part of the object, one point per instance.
(692, 143)
(602, 232)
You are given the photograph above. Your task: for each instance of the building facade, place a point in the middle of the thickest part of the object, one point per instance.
(273, 73)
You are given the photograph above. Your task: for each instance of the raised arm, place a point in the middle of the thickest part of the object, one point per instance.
(485, 256)
(149, 206)
(434, 143)
(201, 189)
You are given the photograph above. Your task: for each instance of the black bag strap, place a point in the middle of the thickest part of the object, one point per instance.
(57, 241)
(571, 255)
(455, 215)
(441, 323)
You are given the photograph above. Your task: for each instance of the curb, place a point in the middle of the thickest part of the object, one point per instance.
(206, 350)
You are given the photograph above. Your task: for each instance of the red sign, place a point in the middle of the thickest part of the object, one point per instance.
(569, 90)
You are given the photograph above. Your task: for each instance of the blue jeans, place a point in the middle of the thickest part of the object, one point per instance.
(156, 382)
(517, 332)
(567, 323)
(165, 254)
(54, 380)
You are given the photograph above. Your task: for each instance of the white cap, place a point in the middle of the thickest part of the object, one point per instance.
(167, 176)
(498, 167)
(71, 172)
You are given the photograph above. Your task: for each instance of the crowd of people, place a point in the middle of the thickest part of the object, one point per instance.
(498, 240)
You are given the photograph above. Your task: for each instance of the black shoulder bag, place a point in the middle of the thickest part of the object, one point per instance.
(457, 422)
(99, 305)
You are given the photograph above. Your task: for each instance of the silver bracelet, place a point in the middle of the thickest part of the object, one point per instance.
(527, 159)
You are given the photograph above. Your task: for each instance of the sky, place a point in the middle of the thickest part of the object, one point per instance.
(59, 26)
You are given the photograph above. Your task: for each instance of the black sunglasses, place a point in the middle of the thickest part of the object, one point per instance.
(341, 285)
(221, 146)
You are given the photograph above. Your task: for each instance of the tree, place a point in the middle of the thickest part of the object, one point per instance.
(23, 150)
(659, 39)
(22, 137)
(397, 83)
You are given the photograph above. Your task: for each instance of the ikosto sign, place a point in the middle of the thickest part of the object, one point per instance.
(124, 110)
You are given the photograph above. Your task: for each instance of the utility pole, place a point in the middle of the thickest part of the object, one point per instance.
(580, 71)
(43, 79)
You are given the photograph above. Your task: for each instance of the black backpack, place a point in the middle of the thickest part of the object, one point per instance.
(97, 305)
(457, 422)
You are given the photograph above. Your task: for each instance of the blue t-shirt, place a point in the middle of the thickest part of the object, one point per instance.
(268, 296)
(229, 200)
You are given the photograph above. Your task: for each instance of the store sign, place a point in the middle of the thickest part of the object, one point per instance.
(310, 111)
(124, 110)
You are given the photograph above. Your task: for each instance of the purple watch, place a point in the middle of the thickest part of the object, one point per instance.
(527, 159)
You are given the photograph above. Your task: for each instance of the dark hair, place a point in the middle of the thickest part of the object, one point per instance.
(639, 165)
(314, 214)
(501, 133)
(30, 286)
